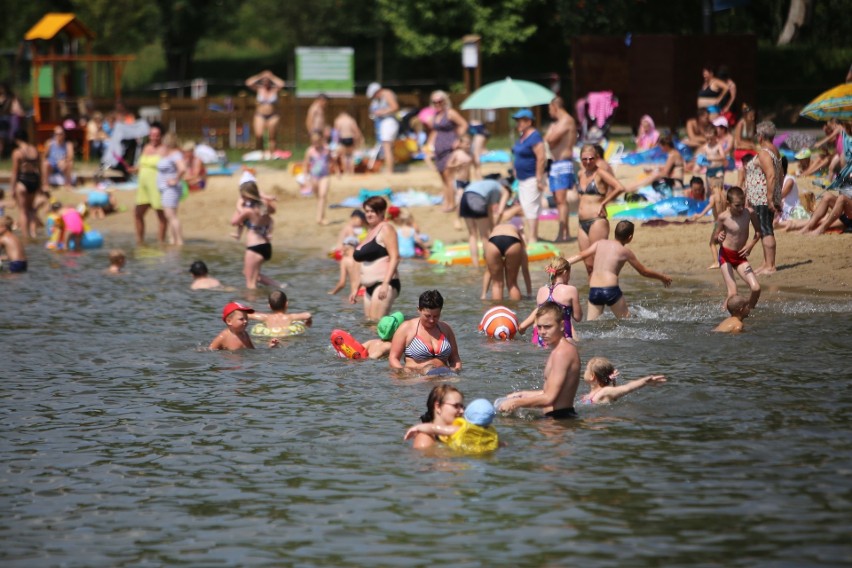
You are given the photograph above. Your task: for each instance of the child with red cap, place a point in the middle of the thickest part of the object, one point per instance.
(235, 336)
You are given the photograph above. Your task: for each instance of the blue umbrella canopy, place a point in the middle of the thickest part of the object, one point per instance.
(508, 93)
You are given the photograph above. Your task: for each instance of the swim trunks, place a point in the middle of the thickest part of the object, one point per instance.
(347, 142)
(847, 222)
(17, 266)
(562, 176)
(462, 183)
(263, 249)
(764, 215)
(730, 256)
(605, 296)
(562, 413)
(394, 283)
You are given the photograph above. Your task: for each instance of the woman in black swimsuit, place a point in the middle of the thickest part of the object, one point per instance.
(597, 188)
(255, 215)
(26, 176)
(379, 259)
(713, 90)
(505, 255)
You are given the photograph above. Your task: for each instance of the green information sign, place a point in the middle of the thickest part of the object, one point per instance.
(325, 70)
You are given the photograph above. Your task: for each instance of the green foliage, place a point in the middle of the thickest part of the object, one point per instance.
(427, 28)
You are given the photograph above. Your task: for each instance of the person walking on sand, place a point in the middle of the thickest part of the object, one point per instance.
(383, 107)
(448, 126)
(529, 169)
(350, 138)
(561, 136)
(315, 120)
(763, 179)
(610, 256)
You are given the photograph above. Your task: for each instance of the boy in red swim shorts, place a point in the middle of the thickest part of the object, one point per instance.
(732, 232)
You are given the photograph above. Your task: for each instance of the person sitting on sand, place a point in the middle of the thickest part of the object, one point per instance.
(610, 256)
(201, 279)
(279, 318)
(732, 227)
(601, 376)
(739, 309)
(695, 128)
(667, 178)
(235, 336)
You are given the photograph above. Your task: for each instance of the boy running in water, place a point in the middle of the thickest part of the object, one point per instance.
(610, 256)
(732, 229)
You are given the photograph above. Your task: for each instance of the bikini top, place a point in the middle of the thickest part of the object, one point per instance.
(272, 99)
(421, 351)
(590, 189)
(370, 250)
(708, 92)
(262, 230)
(33, 164)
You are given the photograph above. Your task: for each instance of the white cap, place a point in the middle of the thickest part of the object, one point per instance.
(246, 177)
(372, 89)
(721, 121)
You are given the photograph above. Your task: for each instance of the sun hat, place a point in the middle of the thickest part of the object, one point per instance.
(721, 121)
(524, 113)
(479, 412)
(233, 307)
(372, 89)
(388, 325)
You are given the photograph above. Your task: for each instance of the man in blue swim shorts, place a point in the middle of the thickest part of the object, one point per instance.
(610, 256)
(561, 136)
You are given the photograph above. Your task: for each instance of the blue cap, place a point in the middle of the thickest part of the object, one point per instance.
(479, 412)
(524, 113)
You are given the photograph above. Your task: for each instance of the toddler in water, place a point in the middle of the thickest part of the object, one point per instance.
(601, 376)
(471, 434)
(387, 326)
(739, 310)
(117, 259)
(407, 236)
(235, 336)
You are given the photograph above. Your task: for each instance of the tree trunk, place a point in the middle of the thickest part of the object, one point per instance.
(797, 17)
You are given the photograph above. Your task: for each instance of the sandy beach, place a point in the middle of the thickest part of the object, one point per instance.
(821, 264)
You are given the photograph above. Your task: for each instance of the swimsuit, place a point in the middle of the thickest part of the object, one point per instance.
(562, 413)
(31, 180)
(263, 249)
(17, 266)
(730, 256)
(348, 142)
(586, 224)
(567, 314)
(273, 98)
(503, 243)
(370, 250)
(262, 230)
(607, 295)
(590, 189)
(708, 93)
(318, 163)
(420, 351)
(445, 137)
(587, 399)
(394, 283)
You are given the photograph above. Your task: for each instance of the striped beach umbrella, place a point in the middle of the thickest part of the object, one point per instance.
(834, 103)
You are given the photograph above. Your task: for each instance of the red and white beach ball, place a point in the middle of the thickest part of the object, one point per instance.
(499, 323)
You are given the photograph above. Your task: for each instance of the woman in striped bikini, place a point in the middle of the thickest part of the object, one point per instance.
(425, 341)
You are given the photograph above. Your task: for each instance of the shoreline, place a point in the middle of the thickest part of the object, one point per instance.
(811, 264)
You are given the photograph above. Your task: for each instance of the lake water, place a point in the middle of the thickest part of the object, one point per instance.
(124, 442)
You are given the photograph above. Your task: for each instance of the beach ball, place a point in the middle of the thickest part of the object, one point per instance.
(499, 323)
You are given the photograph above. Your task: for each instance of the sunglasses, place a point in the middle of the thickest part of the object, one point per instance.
(438, 102)
(587, 159)
(456, 405)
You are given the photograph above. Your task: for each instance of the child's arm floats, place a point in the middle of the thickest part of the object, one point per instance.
(611, 394)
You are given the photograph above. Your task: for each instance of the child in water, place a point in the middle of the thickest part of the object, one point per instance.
(739, 309)
(235, 336)
(117, 260)
(732, 227)
(601, 376)
(13, 248)
(387, 326)
(407, 236)
(279, 318)
(201, 279)
(471, 434)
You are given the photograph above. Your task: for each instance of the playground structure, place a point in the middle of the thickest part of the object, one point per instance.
(58, 80)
